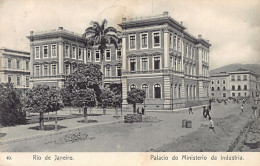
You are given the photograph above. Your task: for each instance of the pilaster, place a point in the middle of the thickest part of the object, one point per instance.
(166, 48)
(61, 58)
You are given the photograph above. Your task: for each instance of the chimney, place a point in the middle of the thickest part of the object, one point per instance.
(123, 19)
(60, 28)
(181, 22)
(31, 33)
(199, 37)
(208, 41)
(165, 13)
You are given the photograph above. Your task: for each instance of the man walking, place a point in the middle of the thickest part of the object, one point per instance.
(242, 108)
(190, 110)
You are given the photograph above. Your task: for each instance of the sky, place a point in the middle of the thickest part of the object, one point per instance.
(231, 26)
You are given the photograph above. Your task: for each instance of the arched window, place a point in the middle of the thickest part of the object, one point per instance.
(145, 88)
(132, 87)
(157, 91)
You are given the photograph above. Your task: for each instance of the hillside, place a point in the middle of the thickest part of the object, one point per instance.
(232, 67)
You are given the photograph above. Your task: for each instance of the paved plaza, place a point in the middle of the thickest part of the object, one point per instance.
(159, 131)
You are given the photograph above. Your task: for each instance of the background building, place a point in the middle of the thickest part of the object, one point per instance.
(55, 54)
(158, 55)
(239, 83)
(14, 67)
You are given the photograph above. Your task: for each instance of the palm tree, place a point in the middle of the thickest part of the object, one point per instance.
(100, 35)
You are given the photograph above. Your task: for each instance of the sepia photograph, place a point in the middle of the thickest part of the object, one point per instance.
(130, 76)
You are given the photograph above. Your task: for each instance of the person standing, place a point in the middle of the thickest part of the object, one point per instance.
(242, 108)
(190, 110)
(142, 110)
(138, 111)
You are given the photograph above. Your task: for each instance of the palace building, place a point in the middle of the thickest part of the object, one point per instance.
(14, 67)
(239, 83)
(156, 54)
(159, 56)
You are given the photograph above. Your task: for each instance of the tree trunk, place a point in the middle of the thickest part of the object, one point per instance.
(41, 121)
(56, 122)
(104, 111)
(85, 114)
(48, 116)
(134, 108)
(116, 112)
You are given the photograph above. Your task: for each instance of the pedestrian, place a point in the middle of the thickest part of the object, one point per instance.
(142, 110)
(190, 110)
(211, 122)
(138, 111)
(242, 108)
(210, 107)
(207, 113)
(204, 111)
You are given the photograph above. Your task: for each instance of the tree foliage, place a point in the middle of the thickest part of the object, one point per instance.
(99, 34)
(42, 99)
(106, 98)
(135, 96)
(84, 97)
(11, 112)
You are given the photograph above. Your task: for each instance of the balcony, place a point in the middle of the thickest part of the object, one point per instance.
(48, 77)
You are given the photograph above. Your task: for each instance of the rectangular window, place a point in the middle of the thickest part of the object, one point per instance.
(119, 73)
(67, 47)
(27, 81)
(156, 63)
(224, 95)
(54, 50)
(244, 77)
(238, 77)
(89, 56)
(108, 55)
(179, 44)
(233, 87)
(239, 94)
(232, 78)
(67, 69)
(37, 70)
(174, 43)
(233, 94)
(45, 51)
(132, 64)
(118, 54)
(18, 64)
(171, 46)
(9, 63)
(97, 56)
(224, 81)
(144, 64)
(45, 70)
(9, 78)
(37, 52)
(18, 81)
(156, 39)
(132, 42)
(238, 87)
(53, 67)
(144, 40)
(245, 87)
(80, 54)
(27, 65)
(73, 52)
(108, 70)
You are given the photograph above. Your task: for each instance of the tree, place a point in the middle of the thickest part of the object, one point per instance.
(84, 98)
(117, 101)
(116, 88)
(85, 76)
(41, 99)
(11, 112)
(101, 35)
(106, 99)
(135, 96)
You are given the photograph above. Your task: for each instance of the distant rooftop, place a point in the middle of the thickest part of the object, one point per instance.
(60, 29)
(15, 51)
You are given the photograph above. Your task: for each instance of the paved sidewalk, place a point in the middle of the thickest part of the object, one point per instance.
(23, 131)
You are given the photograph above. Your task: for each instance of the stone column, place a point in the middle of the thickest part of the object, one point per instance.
(61, 58)
(85, 55)
(124, 61)
(166, 49)
(167, 92)
(182, 52)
